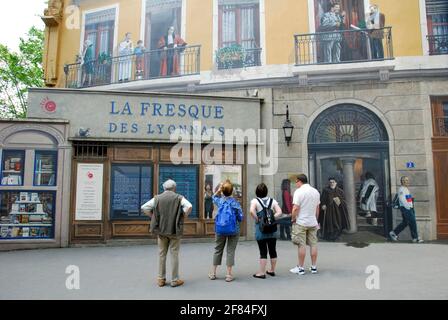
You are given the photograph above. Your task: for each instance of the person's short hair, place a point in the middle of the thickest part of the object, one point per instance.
(332, 178)
(302, 178)
(139, 41)
(169, 185)
(402, 178)
(369, 175)
(334, 4)
(261, 191)
(227, 189)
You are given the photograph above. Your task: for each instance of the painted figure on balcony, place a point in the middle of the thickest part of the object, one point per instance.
(376, 22)
(54, 8)
(125, 51)
(172, 46)
(331, 23)
(88, 63)
(139, 52)
(333, 218)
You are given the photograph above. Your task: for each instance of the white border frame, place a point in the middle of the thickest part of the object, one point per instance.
(424, 27)
(115, 6)
(262, 22)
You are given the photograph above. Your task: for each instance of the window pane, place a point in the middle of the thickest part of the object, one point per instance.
(146, 185)
(187, 180)
(213, 176)
(26, 215)
(45, 169)
(12, 167)
(125, 192)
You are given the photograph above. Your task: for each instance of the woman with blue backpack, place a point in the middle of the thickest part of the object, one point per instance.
(227, 228)
(265, 210)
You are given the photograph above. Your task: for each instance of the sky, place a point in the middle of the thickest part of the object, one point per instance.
(17, 17)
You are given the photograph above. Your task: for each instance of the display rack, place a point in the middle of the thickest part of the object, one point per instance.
(32, 222)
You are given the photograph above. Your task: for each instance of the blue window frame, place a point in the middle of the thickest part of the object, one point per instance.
(27, 214)
(45, 168)
(131, 187)
(13, 162)
(187, 181)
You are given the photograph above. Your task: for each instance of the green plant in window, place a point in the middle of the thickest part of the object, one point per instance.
(230, 57)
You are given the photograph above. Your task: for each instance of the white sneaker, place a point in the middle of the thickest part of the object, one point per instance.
(313, 270)
(418, 240)
(368, 215)
(393, 236)
(295, 270)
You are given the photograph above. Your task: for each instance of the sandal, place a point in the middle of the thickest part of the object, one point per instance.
(212, 276)
(229, 278)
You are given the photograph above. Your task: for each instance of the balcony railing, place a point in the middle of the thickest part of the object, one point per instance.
(441, 127)
(438, 44)
(333, 47)
(250, 58)
(152, 64)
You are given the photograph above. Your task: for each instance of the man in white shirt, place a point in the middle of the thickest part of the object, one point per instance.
(167, 212)
(407, 211)
(305, 214)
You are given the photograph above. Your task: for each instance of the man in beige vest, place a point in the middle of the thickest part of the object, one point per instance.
(167, 212)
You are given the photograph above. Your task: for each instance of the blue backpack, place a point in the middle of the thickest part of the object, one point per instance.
(225, 221)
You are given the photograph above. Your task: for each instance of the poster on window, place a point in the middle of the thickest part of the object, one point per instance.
(89, 192)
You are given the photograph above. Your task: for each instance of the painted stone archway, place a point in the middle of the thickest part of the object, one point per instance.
(345, 142)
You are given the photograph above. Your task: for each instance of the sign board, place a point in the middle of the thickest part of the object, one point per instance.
(131, 116)
(89, 192)
(410, 165)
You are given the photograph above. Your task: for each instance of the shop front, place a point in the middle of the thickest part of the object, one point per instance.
(33, 205)
(126, 144)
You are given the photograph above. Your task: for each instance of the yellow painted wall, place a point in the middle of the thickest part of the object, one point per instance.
(404, 18)
(284, 18)
(200, 29)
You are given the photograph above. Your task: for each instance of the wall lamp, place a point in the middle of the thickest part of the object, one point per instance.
(288, 128)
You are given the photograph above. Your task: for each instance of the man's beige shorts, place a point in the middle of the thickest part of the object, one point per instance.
(303, 236)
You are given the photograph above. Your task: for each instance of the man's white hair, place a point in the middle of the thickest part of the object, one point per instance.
(169, 185)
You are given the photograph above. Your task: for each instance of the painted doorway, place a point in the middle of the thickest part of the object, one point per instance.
(160, 15)
(348, 142)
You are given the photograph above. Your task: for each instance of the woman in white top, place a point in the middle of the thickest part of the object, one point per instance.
(266, 241)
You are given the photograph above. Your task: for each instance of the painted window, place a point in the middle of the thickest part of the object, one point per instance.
(13, 162)
(239, 23)
(131, 187)
(187, 183)
(437, 17)
(160, 15)
(45, 168)
(99, 29)
(27, 214)
(213, 176)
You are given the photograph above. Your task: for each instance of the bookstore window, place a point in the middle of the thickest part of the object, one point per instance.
(25, 214)
(12, 167)
(131, 188)
(45, 168)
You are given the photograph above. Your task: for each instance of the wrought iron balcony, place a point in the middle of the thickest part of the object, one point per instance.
(358, 45)
(441, 127)
(152, 64)
(247, 58)
(438, 44)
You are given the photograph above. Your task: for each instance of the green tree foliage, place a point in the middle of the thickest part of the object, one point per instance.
(20, 71)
